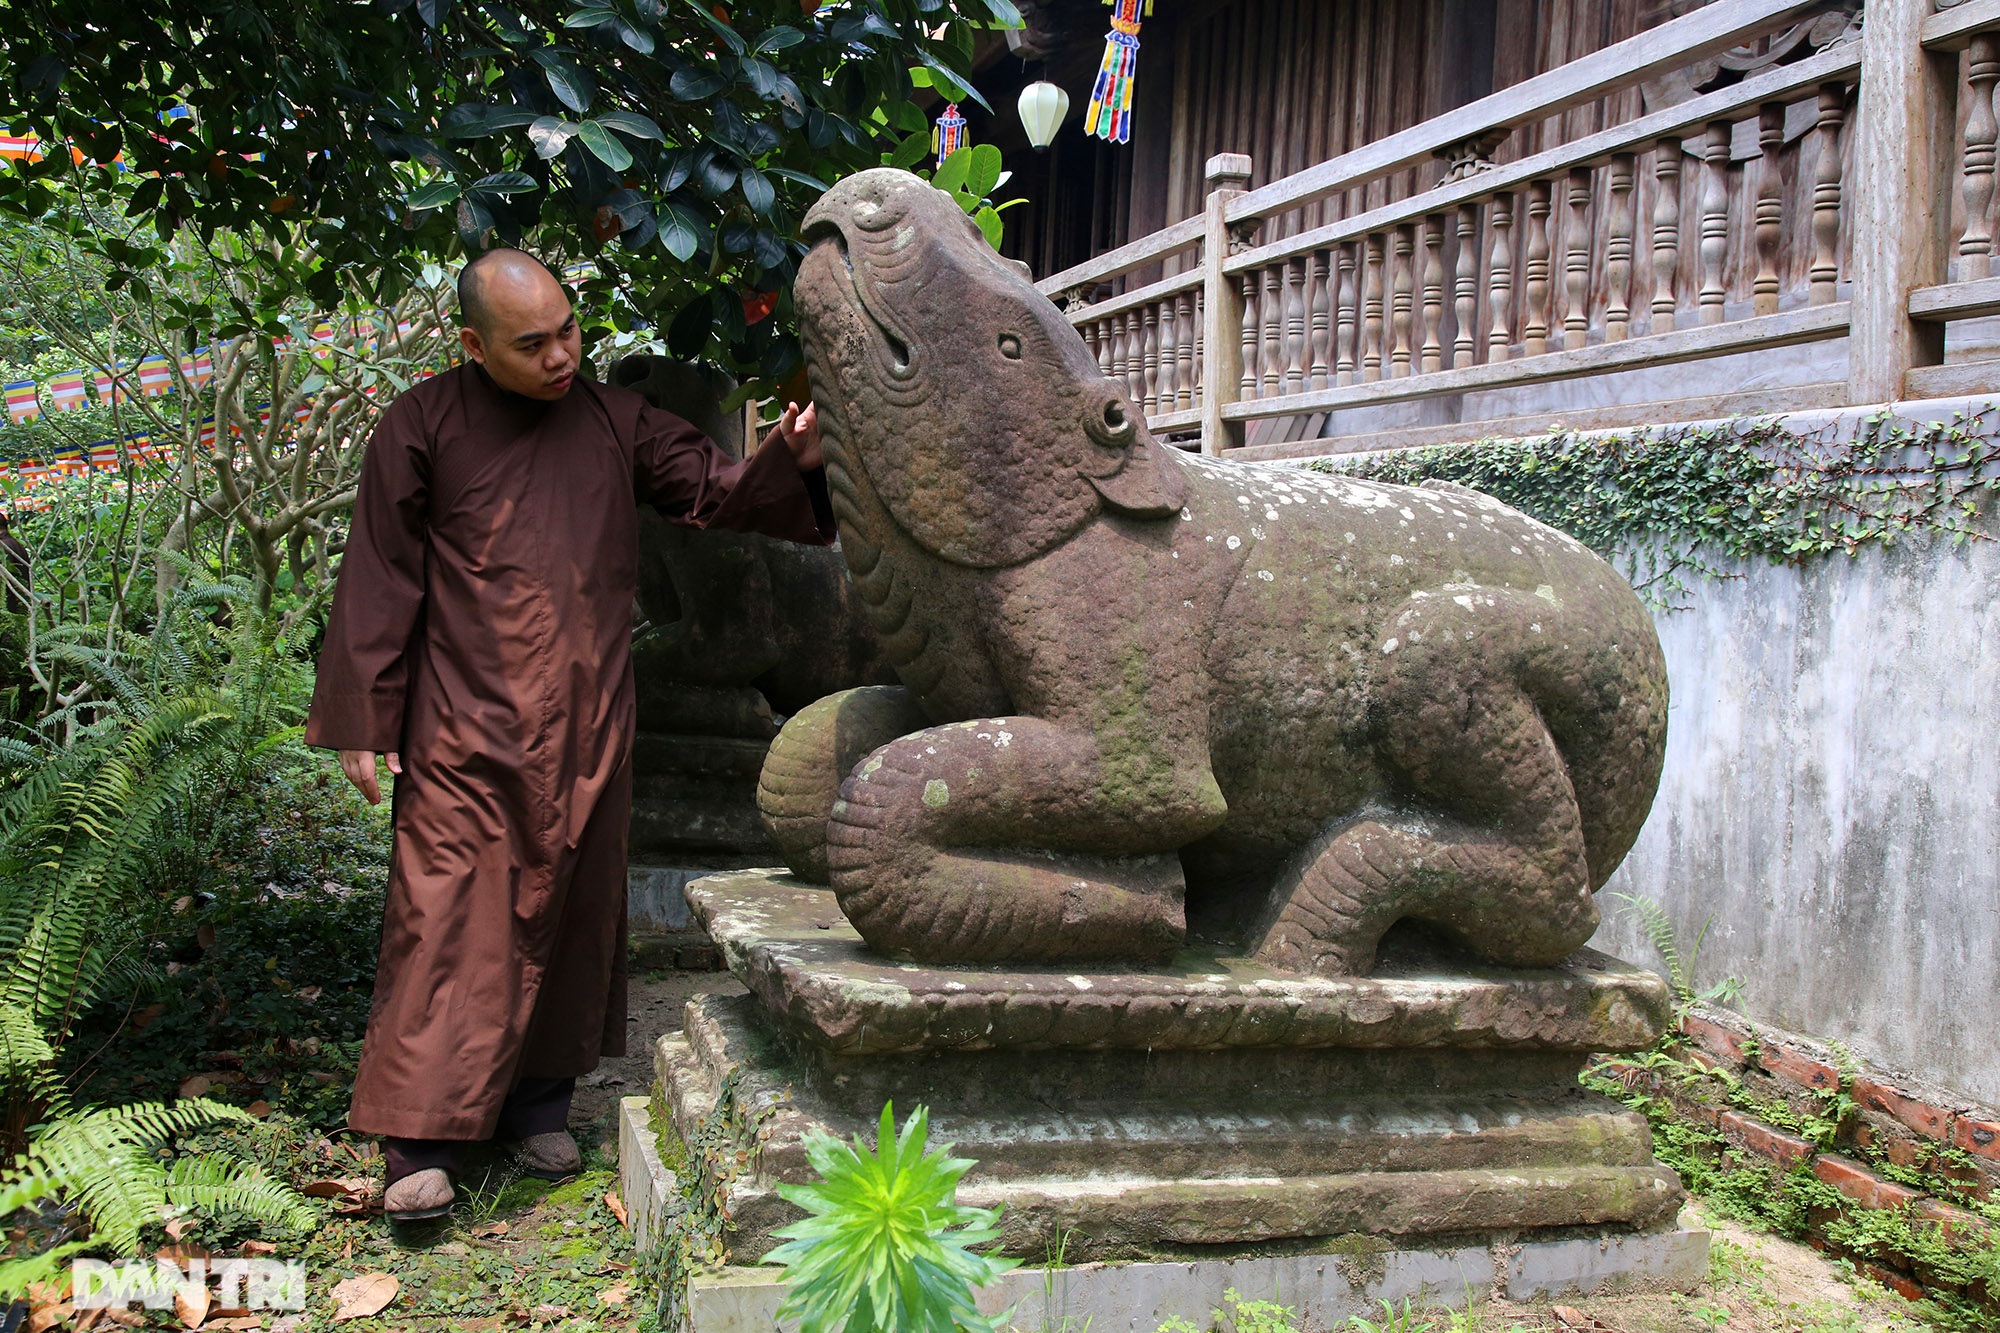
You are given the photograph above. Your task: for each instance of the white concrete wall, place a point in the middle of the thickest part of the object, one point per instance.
(1831, 800)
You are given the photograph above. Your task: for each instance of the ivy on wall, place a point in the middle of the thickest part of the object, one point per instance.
(1668, 502)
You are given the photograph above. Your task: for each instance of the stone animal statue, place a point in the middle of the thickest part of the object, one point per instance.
(1144, 687)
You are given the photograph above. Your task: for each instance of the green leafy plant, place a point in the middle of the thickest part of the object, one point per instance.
(969, 176)
(1239, 1315)
(674, 145)
(887, 1249)
(104, 1167)
(1680, 964)
(1672, 501)
(178, 720)
(1403, 1319)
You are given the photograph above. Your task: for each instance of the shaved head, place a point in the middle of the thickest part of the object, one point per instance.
(518, 323)
(478, 280)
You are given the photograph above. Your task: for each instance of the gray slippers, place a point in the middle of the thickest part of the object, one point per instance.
(419, 1196)
(552, 1156)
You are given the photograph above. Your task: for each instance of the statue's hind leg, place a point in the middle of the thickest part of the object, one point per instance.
(1485, 840)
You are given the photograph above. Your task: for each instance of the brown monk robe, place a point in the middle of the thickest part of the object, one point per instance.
(481, 631)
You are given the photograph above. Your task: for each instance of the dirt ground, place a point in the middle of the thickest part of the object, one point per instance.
(653, 1007)
(1758, 1283)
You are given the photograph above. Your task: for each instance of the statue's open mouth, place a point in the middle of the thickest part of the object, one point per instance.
(899, 365)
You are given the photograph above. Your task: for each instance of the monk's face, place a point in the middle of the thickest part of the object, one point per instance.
(531, 344)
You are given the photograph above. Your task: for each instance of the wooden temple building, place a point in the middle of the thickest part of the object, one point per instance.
(1350, 224)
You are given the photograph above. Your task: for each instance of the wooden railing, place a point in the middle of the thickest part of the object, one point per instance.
(1806, 202)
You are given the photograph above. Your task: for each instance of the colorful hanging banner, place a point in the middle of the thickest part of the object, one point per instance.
(66, 392)
(950, 132)
(111, 384)
(197, 368)
(1110, 113)
(22, 402)
(156, 375)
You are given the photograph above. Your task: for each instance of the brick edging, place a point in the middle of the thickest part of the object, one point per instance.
(1898, 1118)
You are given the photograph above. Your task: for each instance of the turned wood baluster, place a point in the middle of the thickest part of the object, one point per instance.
(1825, 272)
(1151, 359)
(1272, 364)
(1714, 220)
(1120, 361)
(1618, 249)
(1375, 255)
(1465, 286)
(1975, 247)
(1576, 262)
(1320, 270)
(1347, 309)
(1189, 322)
(1666, 232)
(1403, 299)
(1135, 357)
(1535, 323)
(1252, 338)
(1296, 273)
(1770, 214)
(1170, 362)
(1432, 351)
(1104, 347)
(1500, 281)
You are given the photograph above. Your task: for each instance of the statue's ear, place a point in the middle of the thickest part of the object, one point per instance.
(1149, 485)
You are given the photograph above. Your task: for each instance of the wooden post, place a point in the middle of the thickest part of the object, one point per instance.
(1667, 156)
(1619, 234)
(1714, 251)
(1576, 262)
(1904, 138)
(1825, 273)
(1975, 246)
(1465, 287)
(1770, 214)
(1228, 175)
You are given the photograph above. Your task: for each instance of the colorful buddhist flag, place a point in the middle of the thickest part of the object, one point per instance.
(66, 391)
(156, 376)
(23, 404)
(198, 368)
(112, 385)
(21, 147)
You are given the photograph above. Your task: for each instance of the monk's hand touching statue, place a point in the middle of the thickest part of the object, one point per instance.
(799, 428)
(359, 765)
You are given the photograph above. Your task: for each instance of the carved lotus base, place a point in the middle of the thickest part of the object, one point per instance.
(1123, 1113)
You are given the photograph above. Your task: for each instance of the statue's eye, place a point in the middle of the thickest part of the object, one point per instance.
(1010, 347)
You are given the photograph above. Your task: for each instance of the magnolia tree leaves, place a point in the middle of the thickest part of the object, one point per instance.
(673, 143)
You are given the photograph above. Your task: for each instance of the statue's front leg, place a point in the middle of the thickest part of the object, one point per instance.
(1011, 839)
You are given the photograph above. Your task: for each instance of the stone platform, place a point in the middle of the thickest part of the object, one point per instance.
(1185, 1112)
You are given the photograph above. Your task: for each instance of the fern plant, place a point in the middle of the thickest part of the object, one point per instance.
(173, 725)
(887, 1249)
(1665, 939)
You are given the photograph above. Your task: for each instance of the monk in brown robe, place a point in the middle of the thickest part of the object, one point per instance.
(480, 640)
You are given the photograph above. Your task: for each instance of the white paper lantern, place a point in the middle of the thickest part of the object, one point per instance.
(1043, 106)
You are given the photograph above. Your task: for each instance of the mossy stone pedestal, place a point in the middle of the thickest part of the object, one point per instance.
(1191, 1111)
